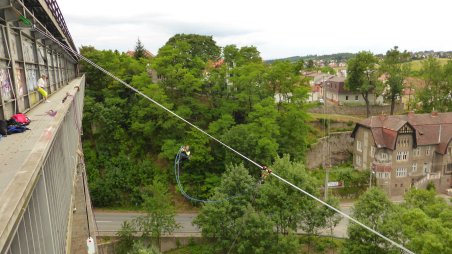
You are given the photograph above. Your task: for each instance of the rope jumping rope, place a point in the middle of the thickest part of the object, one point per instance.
(220, 142)
(177, 165)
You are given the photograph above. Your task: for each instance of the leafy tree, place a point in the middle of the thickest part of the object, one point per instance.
(200, 46)
(160, 212)
(255, 234)
(140, 248)
(126, 238)
(283, 204)
(418, 232)
(247, 55)
(221, 219)
(293, 127)
(259, 137)
(139, 50)
(372, 209)
(282, 79)
(427, 201)
(249, 80)
(235, 222)
(328, 70)
(362, 75)
(310, 64)
(332, 218)
(436, 95)
(396, 72)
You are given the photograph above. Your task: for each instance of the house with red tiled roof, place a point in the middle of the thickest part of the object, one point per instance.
(337, 93)
(316, 81)
(405, 151)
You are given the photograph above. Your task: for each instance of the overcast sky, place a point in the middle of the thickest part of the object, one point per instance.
(278, 29)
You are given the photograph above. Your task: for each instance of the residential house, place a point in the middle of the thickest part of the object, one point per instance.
(405, 151)
(337, 93)
(316, 83)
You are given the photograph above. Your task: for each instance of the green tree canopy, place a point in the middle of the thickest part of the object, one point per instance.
(139, 50)
(396, 72)
(436, 95)
(362, 75)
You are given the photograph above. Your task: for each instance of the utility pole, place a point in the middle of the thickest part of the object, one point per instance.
(327, 127)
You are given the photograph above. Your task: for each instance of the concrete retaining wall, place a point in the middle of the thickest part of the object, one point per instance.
(166, 243)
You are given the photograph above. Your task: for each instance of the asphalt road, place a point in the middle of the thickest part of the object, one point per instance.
(108, 223)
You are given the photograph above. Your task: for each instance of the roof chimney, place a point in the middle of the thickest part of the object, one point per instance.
(411, 113)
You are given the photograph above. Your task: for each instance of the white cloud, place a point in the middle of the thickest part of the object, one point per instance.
(277, 28)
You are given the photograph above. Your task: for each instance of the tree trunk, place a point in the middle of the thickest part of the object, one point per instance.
(392, 104)
(366, 99)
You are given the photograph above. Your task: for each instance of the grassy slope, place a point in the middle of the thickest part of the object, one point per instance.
(416, 65)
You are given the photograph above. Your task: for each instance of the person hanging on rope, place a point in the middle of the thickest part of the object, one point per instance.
(185, 153)
(265, 172)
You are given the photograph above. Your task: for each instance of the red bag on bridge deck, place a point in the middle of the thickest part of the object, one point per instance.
(21, 119)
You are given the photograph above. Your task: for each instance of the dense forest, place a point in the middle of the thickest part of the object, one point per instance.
(228, 92)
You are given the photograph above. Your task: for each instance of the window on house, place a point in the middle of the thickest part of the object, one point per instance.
(358, 160)
(356, 97)
(372, 151)
(383, 175)
(414, 167)
(400, 172)
(427, 150)
(402, 156)
(426, 168)
(405, 155)
(346, 97)
(417, 151)
(403, 142)
(448, 168)
(384, 156)
(358, 146)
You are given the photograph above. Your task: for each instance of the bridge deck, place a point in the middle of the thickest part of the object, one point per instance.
(16, 148)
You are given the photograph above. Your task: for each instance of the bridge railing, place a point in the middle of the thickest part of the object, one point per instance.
(40, 221)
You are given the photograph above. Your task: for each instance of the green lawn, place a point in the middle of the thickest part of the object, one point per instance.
(416, 65)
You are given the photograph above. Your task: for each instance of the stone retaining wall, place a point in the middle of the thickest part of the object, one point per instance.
(341, 146)
(357, 110)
